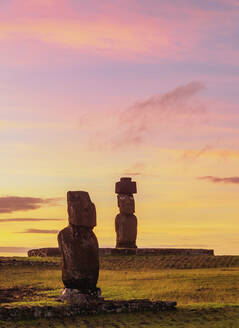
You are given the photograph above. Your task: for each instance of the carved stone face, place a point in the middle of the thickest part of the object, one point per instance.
(126, 204)
(81, 210)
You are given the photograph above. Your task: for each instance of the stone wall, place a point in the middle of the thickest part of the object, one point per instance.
(18, 263)
(43, 252)
(155, 251)
(103, 307)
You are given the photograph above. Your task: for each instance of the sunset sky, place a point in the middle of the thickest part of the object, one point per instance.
(95, 90)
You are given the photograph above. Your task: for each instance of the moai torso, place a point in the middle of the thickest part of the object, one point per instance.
(78, 244)
(126, 221)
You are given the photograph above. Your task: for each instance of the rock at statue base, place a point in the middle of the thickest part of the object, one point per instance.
(126, 221)
(78, 245)
(74, 296)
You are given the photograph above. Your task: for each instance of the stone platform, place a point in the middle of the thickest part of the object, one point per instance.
(51, 251)
(64, 310)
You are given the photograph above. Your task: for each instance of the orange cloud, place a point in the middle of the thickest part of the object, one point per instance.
(27, 220)
(210, 151)
(31, 124)
(40, 231)
(192, 155)
(102, 36)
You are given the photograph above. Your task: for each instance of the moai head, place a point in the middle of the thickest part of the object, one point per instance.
(81, 210)
(126, 204)
(125, 189)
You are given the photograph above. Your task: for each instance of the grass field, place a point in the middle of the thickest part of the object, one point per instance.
(206, 297)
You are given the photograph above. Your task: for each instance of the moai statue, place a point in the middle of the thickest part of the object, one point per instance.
(126, 221)
(79, 250)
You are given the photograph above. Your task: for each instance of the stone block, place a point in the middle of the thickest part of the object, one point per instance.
(125, 186)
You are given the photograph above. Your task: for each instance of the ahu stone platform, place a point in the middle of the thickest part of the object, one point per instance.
(63, 310)
(51, 251)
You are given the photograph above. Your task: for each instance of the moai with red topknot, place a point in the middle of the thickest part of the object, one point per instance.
(126, 221)
(79, 250)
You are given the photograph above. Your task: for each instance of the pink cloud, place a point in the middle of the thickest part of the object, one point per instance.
(234, 180)
(178, 33)
(205, 127)
(34, 8)
(176, 111)
(103, 36)
(144, 116)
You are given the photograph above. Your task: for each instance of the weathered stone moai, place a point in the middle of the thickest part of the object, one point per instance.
(79, 250)
(126, 221)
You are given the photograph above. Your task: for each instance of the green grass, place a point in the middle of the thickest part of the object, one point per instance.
(186, 286)
(207, 297)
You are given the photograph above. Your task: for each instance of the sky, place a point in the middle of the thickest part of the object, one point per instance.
(91, 91)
